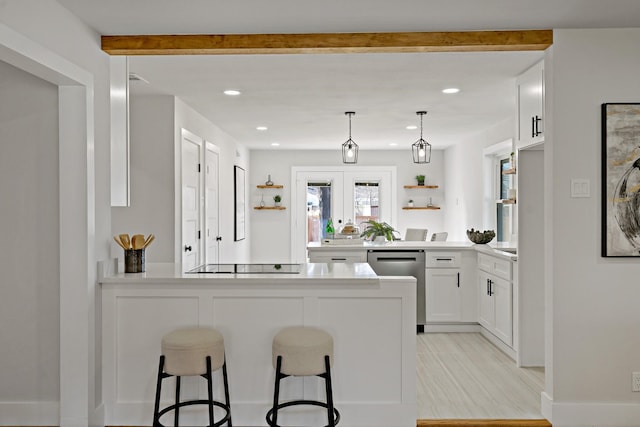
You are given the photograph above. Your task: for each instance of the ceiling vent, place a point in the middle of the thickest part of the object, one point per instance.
(133, 77)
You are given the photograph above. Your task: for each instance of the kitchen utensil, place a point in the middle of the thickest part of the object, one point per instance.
(138, 241)
(126, 241)
(119, 243)
(147, 242)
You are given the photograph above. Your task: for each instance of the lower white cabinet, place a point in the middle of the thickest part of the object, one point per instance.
(450, 292)
(443, 295)
(495, 297)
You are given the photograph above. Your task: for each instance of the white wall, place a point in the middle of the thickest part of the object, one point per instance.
(595, 344)
(271, 230)
(60, 35)
(464, 179)
(151, 184)
(29, 257)
(156, 123)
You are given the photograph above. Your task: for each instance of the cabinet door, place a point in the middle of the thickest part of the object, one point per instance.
(486, 302)
(502, 294)
(443, 298)
(530, 86)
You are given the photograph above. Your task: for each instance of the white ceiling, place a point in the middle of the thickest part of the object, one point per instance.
(302, 98)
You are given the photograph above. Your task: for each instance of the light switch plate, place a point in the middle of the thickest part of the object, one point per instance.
(580, 188)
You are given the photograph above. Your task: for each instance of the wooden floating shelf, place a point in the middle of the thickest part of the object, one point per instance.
(508, 201)
(420, 186)
(270, 186)
(509, 171)
(271, 208)
(415, 208)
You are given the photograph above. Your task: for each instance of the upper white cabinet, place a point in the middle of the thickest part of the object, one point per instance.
(530, 93)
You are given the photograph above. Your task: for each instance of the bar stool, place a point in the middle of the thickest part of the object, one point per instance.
(194, 351)
(302, 351)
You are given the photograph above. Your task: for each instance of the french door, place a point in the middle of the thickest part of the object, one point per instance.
(343, 194)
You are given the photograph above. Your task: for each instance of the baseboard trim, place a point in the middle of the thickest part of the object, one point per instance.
(29, 413)
(451, 327)
(595, 414)
(498, 343)
(546, 406)
(483, 423)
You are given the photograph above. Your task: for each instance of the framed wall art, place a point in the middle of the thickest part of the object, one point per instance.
(238, 203)
(621, 180)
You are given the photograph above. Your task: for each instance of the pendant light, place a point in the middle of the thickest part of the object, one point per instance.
(350, 148)
(421, 149)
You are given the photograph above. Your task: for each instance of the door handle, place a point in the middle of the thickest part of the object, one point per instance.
(187, 248)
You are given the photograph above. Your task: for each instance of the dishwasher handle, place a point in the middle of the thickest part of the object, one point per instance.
(398, 259)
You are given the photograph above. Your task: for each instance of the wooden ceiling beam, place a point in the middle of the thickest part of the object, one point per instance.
(234, 44)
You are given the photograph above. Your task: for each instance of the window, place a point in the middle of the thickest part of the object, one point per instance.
(503, 211)
(366, 201)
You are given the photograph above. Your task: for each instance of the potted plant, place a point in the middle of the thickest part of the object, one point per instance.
(376, 229)
(410, 204)
(420, 179)
(277, 199)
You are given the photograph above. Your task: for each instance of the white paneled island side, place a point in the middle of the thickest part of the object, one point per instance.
(371, 318)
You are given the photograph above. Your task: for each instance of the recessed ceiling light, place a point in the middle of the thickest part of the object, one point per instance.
(393, 144)
(275, 144)
(261, 128)
(451, 90)
(412, 127)
(232, 92)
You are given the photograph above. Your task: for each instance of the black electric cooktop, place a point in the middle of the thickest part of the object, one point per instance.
(247, 269)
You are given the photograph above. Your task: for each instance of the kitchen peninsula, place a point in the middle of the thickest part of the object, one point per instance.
(371, 318)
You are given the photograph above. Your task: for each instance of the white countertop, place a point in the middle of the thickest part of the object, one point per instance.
(494, 248)
(171, 273)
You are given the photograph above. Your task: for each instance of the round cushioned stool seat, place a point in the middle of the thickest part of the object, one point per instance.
(302, 349)
(185, 351)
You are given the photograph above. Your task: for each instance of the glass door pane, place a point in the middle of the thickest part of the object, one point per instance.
(318, 210)
(366, 201)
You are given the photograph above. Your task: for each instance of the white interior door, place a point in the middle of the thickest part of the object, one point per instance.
(212, 196)
(191, 243)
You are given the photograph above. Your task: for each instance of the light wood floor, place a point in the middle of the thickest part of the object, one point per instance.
(462, 375)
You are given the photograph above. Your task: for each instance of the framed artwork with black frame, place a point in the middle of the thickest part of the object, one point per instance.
(238, 203)
(621, 179)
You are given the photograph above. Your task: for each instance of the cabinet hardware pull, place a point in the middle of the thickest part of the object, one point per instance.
(458, 279)
(490, 290)
(488, 287)
(535, 126)
(338, 259)
(444, 259)
(187, 248)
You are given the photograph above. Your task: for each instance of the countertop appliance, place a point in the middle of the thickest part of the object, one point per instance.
(247, 269)
(408, 262)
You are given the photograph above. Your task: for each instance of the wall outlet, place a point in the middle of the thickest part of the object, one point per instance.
(635, 381)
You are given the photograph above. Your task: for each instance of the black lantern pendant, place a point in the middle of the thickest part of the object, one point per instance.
(421, 149)
(350, 148)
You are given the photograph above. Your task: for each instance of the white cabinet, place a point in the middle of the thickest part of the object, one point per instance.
(495, 297)
(443, 301)
(450, 294)
(339, 256)
(530, 93)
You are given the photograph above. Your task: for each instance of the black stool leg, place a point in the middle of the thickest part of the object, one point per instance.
(226, 389)
(176, 417)
(210, 391)
(276, 391)
(156, 407)
(327, 384)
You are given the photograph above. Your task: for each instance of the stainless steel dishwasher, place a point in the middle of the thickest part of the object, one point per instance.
(406, 262)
